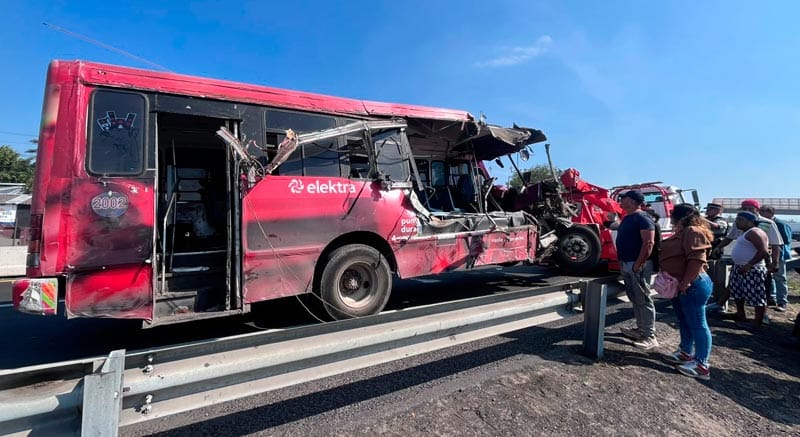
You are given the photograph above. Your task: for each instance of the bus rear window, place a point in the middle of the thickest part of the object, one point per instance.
(116, 134)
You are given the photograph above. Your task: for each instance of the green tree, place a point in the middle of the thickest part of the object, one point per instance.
(14, 168)
(532, 175)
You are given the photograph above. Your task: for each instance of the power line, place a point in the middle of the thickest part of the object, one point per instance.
(105, 46)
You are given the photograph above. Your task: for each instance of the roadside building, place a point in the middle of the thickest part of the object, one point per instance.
(15, 214)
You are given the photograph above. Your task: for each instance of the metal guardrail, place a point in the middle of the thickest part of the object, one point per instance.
(97, 396)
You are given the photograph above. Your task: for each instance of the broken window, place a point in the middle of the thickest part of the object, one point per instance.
(390, 157)
(356, 159)
(320, 158)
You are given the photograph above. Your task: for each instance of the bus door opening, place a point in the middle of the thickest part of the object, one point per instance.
(195, 224)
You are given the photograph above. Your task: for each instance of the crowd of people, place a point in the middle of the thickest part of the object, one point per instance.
(693, 256)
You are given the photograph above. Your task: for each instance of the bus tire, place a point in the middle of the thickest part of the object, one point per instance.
(578, 250)
(356, 281)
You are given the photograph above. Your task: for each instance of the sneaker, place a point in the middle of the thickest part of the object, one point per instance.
(678, 357)
(647, 343)
(631, 333)
(781, 308)
(771, 303)
(695, 370)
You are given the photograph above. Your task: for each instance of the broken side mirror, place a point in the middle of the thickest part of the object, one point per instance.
(524, 154)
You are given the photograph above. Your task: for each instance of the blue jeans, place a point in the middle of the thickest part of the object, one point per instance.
(691, 312)
(780, 292)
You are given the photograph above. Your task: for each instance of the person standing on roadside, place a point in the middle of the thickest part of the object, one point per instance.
(716, 267)
(749, 272)
(635, 241)
(717, 224)
(774, 243)
(780, 291)
(683, 256)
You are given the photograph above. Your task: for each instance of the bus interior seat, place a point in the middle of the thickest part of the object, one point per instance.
(465, 193)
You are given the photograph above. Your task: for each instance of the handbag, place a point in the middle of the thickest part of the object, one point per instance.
(666, 285)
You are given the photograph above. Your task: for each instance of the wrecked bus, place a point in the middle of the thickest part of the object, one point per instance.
(167, 198)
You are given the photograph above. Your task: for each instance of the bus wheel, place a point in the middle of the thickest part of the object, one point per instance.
(356, 282)
(578, 250)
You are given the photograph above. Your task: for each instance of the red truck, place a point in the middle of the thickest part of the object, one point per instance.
(574, 215)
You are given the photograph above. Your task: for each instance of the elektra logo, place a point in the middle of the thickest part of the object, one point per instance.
(296, 186)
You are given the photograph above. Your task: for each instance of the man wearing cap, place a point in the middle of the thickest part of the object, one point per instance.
(717, 223)
(748, 275)
(768, 226)
(635, 241)
(716, 267)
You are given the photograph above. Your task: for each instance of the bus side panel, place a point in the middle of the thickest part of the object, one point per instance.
(499, 247)
(287, 222)
(104, 230)
(53, 175)
(428, 256)
(424, 256)
(108, 245)
(120, 293)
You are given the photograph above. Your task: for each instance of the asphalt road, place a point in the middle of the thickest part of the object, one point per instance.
(30, 339)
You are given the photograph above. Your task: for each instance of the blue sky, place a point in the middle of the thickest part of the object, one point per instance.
(700, 95)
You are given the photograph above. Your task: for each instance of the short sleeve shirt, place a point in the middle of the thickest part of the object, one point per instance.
(629, 235)
(676, 252)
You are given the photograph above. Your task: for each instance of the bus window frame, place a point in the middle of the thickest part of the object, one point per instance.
(144, 135)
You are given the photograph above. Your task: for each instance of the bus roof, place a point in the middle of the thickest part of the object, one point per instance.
(126, 77)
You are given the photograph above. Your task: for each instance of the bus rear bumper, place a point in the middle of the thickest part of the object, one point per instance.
(36, 296)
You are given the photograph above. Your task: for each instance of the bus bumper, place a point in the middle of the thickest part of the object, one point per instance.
(36, 296)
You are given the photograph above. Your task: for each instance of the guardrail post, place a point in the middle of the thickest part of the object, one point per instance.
(594, 319)
(102, 397)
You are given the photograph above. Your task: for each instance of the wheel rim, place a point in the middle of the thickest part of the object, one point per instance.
(576, 247)
(357, 285)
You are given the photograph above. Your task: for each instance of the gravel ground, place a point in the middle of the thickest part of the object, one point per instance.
(536, 382)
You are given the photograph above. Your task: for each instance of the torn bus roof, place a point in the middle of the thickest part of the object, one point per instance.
(494, 141)
(442, 127)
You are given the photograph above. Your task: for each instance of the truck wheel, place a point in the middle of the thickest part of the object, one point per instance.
(578, 250)
(355, 282)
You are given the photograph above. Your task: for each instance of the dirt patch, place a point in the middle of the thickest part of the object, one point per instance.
(754, 389)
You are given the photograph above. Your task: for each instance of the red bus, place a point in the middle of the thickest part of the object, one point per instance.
(166, 198)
